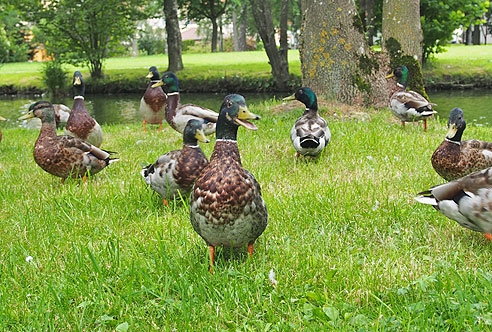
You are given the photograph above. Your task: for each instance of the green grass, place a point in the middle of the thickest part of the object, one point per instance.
(350, 247)
(125, 71)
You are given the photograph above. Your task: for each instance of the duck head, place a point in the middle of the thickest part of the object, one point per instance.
(401, 73)
(193, 132)
(456, 125)
(153, 74)
(78, 84)
(169, 81)
(43, 110)
(234, 113)
(306, 96)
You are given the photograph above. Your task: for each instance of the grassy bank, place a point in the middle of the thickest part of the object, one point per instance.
(350, 247)
(459, 67)
(209, 72)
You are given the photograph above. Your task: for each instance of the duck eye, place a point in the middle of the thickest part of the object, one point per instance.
(229, 103)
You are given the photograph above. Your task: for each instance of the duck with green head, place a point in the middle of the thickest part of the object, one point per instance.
(153, 102)
(175, 172)
(64, 156)
(455, 158)
(408, 106)
(178, 115)
(80, 124)
(226, 207)
(310, 133)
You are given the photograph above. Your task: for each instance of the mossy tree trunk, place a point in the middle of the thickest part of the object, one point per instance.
(402, 39)
(401, 20)
(336, 60)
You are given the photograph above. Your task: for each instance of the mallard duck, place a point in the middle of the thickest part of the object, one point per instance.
(174, 173)
(310, 134)
(178, 115)
(1, 119)
(80, 124)
(408, 106)
(153, 102)
(64, 156)
(467, 200)
(226, 207)
(454, 158)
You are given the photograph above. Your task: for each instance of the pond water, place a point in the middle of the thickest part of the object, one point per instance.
(111, 109)
(123, 108)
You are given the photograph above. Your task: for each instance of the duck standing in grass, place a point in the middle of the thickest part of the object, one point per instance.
(467, 200)
(454, 158)
(1, 119)
(80, 124)
(408, 106)
(310, 134)
(226, 207)
(178, 115)
(174, 173)
(153, 102)
(64, 156)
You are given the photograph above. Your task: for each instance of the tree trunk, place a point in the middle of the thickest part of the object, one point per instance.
(368, 12)
(135, 44)
(284, 43)
(336, 60)
(175, 62)
(235, 32)
(264, 23)
(476, 35)
(242, 28)
(401, 21)
(214, 35)
(402, 39)
(95, 67)
(469, 35)
(221, 36)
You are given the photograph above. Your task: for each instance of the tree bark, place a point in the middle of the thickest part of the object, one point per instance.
(235, 32)
(242, 28)
(284, 43)
(476, 35)
(336, 60)
(214, 35)
(368, 11)
(401, 21)
(175, 62)
(468, 36)
(264, 23)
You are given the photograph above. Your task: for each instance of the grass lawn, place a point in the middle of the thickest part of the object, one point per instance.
(350, 247)
(206, 66)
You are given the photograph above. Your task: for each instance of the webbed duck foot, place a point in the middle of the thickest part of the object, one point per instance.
(160, 127)
(144, 129)
(212, 252)
(250, 249)
(488, 236)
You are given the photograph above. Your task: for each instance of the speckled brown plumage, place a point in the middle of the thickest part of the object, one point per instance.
(454, 159)
(226, 192)
(64, 156)
(80, 122)
(226, 207)
(174, 173)
(155, 98)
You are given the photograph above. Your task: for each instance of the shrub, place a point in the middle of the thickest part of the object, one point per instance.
(54, 77)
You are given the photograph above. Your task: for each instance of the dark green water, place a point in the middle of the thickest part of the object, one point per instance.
(111, 109)
(476, 104)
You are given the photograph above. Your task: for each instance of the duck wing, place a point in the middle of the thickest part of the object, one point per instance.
(199, 112)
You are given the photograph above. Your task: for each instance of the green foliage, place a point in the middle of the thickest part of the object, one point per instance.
(54, 77)
(14, 44)
(440, 18)
(151, 41)
(93, 30)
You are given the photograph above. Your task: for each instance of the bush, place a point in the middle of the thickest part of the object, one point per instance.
(54, 77)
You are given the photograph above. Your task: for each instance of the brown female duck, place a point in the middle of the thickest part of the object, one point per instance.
(454, 158)
(175, 172)
(64, 156)
(80, 124)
